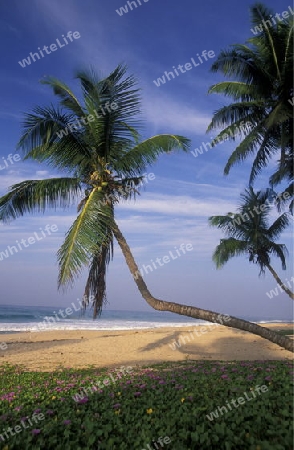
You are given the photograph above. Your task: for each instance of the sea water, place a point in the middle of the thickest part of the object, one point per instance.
(33, 318)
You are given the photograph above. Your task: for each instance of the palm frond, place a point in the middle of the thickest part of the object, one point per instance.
(68, 99)
(119, 124)
(49, 136)
(243, 150)
(281, 252)
(227, 249)
(85, 237)
(38, 195)
(233, 62)
(95, 290)
(235, 89)
(235, 113)
(286, 197)
(136, 160)
(266, 151)
(279, 225)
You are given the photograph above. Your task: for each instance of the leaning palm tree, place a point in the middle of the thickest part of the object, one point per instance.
(250, 234)
(260, 84)
(104, 158)
(97, 143)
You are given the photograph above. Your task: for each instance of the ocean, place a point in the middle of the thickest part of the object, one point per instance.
(46, 318)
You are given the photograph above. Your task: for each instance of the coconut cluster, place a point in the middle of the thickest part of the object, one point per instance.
(100, 180)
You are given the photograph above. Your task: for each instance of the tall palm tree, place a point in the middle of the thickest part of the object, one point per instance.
(260, 84)
(105, 160)
(97, 143)
(250, 234)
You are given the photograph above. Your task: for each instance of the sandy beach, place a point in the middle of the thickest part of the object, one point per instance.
(44, 351)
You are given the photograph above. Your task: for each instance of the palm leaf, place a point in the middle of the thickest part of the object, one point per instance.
(145, 153)
(227, 249)
(95, 290)
(41, 142)
(38, 195)
(85, 237)
(281, 252)
(68, 99)
(279, 225)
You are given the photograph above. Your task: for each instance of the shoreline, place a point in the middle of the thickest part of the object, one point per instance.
(49, 350)
(172, 325)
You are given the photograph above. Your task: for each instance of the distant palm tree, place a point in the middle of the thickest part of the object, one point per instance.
(105, 159)
(250, 234)
(261, 88)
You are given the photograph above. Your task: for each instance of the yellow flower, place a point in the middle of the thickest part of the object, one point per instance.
(117, 411)
(53, 398)
(149, 411)
(119, 393)
(182, 400)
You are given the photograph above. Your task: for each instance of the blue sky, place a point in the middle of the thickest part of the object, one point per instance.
(174, 207)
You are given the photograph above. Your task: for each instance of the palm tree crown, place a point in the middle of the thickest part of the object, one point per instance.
(261, 87)
(96, 142)
(249, 233)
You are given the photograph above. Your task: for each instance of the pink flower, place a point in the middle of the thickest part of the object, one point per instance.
(83, 400)
(36, 431)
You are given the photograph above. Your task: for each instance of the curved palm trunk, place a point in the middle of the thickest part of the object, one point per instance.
(279, 281)
(192, 311)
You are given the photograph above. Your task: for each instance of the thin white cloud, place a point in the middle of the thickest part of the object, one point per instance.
(91, 46)
(163, 112)
(178, 205)
(161, 235)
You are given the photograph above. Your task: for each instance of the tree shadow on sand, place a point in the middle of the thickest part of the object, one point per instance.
(196, 347)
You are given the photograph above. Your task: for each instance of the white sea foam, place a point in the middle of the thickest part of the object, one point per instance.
(98, 325)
